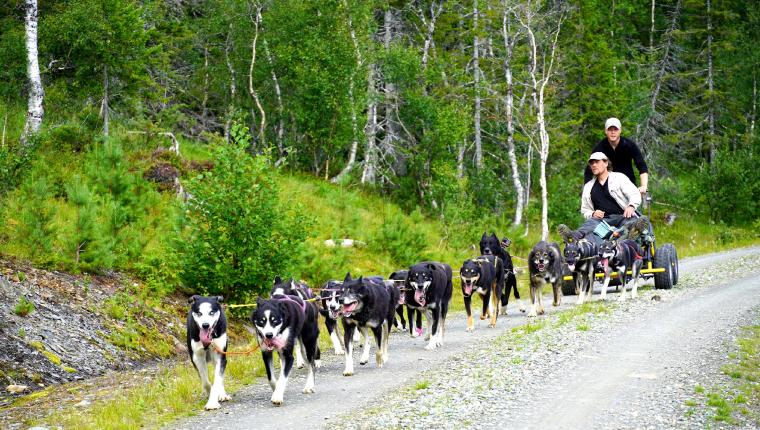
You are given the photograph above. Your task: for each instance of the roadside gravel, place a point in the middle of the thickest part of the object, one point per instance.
(592, 377)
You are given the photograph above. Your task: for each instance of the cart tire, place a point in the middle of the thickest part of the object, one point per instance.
(568, 288)
(664, 258)
(674, 262)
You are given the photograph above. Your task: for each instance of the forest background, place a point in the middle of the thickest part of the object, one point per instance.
(463, 115)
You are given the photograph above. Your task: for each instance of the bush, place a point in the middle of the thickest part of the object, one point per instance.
(24, 307)
(727, 189)
(399, 238)
(238, 235)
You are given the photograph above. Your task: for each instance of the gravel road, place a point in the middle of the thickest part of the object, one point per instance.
(630, 365)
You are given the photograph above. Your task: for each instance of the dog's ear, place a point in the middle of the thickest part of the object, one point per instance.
(484, 236)
(277, 280)
(220, 299)
(348, 277)
(192, 300)
(431, 266)
(493, 235)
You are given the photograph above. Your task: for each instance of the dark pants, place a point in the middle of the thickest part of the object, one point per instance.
(587, 228)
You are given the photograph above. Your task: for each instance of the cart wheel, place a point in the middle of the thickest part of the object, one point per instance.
(665, 258)
(568, 288)
(674, 262)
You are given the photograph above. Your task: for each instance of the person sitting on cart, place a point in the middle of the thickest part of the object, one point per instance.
(610, 197)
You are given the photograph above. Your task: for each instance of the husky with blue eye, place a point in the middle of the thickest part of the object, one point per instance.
(284, 323)
(206, 323)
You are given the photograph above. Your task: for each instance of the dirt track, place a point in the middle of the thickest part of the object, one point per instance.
(607, 384)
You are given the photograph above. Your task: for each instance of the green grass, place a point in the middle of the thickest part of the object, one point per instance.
(740, 396)
(422, 385)
(176, 389)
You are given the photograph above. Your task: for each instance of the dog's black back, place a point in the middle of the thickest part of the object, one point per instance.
(375, 301)
(491, 245)
(291, 288)
(580, 254)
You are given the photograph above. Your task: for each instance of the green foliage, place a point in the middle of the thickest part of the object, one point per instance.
(239, 234)
(400, 237)
(23, 307)
(726, 190)
(36, 228)
(86, 244)
(13, 162)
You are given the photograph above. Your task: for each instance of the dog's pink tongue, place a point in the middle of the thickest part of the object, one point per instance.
(468, 289)
(419, 297)
(605, 263)
(205, 337)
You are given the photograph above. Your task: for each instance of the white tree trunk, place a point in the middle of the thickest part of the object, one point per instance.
(352, 99)
(104, 109)
(262, 128)
(35, 111)
(710, 87)
(388, 143)
(233, 87)
(753, 115)
(460, 160)
(370, 131)
(509, 108)
(435, 10)
(539, 87)
(476, 76)
(278, 97)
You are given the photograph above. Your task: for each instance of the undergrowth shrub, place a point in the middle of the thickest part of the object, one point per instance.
(238, 235)
(727, 189)
(36, 229)
(399, 237)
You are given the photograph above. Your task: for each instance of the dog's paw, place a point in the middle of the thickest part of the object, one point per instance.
(277, 400)
(431, 346)
(364, 361)
(482, 317)
(491, 325)
(210, 406)
(339, 352)
(318, 364)
(348, 373)
(299, 366)
(470, 329)
(224, 397)
(308, 390)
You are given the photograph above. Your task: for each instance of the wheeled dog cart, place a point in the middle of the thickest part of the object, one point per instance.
(659, 262)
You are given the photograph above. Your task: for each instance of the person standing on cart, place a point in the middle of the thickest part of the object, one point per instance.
(622, 153)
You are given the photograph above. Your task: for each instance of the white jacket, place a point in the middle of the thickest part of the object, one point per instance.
(621, 189)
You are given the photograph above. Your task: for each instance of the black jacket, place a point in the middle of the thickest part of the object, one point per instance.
(620, 158)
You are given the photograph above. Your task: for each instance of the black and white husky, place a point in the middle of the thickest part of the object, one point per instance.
(279, 322)
(428, 287)
(398, 279)
(368, 304)
(206, 323)
(623, 255)
(297, 289)
(330, 307)
(581, 257)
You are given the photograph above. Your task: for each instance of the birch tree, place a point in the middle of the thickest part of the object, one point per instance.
(538, 85)
(509, 47)
(35, 110)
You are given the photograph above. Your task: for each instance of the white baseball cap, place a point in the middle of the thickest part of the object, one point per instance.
(598, 156)
(612, 122)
